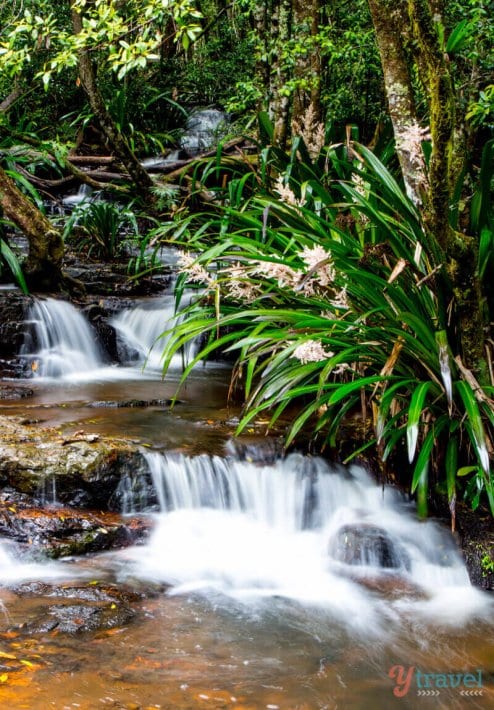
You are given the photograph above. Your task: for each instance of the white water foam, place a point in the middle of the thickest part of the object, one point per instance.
(66, 345)
(253, 532)
(142, 330)
(13, 570)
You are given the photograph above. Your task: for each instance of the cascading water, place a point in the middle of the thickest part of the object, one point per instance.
(301, 530)
(83, 194)
(14, 570)
(141, 329)
(63, 343)
(204, 127)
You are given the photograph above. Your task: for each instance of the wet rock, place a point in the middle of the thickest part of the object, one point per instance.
(476, 534)
(390, 586)
(12, 309)
(108, 404)
(259, 450)
(80, 618)
(11, 392)
(108, 279)
(363, 544)
(106, 334)
(77, 608)
(134, 494)
(84, 471)
(12, 333)
(61, 532)
(88, 593)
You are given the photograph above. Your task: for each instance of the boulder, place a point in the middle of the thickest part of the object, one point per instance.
(56, 532)
(362, 544)
(76, 609)
(84, 470)
(13, 332)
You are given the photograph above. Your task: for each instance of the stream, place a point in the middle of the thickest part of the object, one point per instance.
(266, 582)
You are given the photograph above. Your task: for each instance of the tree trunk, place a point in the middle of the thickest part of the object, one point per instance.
(139, 176)
(307, 69)
(281, 102)
(461, 249)
(387, 18)
(43, 267)
(432, 188)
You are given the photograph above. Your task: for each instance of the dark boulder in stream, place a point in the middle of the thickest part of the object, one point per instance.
(13, 332)
(56, 532)
(77, 609)
(362, 544)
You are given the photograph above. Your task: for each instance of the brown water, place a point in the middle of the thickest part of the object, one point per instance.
(190, 651)
(204, 649)
(201, 420)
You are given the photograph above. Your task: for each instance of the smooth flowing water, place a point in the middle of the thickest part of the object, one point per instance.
(63, 343)
(142, 332)
(288, 584)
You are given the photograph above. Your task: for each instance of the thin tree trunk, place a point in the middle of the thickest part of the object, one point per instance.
(387, 18)
(306, 20)
(43, 267)
(139, 175)
(281, 103)
(462, 249)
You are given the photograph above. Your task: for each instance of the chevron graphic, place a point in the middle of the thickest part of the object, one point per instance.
(471, 693)
(428, 693)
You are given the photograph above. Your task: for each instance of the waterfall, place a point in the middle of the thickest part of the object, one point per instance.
(83, 194)
(62, 342)
(203, 129)
(141, 329)
(298, 528)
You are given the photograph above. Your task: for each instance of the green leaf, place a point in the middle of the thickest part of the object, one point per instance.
(266, 128)
(466, 470)
(423, 459)
(343, 390)
(459, 36)
(475, 419)
(14, 265)
(451, 466)
(415, 411)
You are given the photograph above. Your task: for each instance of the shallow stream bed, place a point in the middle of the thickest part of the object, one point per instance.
(278, 584)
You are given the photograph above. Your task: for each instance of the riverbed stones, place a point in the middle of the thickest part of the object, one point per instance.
(75, 610)
(12, 393)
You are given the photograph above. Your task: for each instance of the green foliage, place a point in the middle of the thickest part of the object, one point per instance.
(481, 110)
(352, 80)
(10, 262)
(468, 32)
(125, 36)
(100, 228)
(487, 564)
(320, 278)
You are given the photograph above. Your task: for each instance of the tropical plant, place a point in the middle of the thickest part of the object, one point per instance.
(334, 297)
(101, 228)
(10, 262)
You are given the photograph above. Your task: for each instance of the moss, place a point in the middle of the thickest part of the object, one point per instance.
(487, 564)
